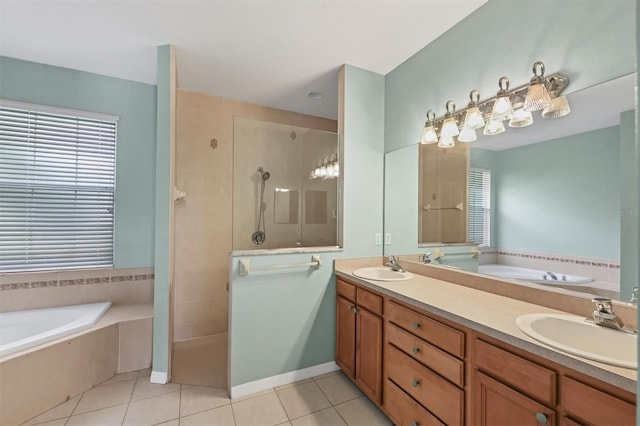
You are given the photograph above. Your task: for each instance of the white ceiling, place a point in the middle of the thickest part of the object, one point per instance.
(269, 52)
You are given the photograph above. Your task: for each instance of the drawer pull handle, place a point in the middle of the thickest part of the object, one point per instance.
(415, 325)
(541, 418)
(415, 351)
(415, 423)
(415, 384)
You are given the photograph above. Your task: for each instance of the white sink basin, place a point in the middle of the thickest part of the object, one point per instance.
(572, 335)
(380, 273)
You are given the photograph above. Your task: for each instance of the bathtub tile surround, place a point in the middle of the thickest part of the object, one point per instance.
(21, 291)
(605, 270)
(38, 378)
(129, 399)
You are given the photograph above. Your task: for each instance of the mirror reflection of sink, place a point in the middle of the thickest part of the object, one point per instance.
(380, 273)
(573, 335)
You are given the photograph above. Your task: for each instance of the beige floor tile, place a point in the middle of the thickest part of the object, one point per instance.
(154, 410)
(59, 422)
(338, 388)
(303, 399)
(253, 395)
(221, 416)
(144, 373)
(325, 417)
(60, 411)
(262, 410)
(104, 396)
(287, 424)
(362, 412)
(121, 378)
(174, 422)
(322, 376)
(104, 417)
(145, 389)
(201, 398)
(290, 385)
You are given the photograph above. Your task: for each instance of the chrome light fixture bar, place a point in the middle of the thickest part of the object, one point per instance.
(512, 105)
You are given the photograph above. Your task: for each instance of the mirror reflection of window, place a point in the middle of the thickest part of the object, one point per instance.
(480, 206)
(285, 205)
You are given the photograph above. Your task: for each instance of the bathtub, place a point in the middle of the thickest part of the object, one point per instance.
(25, 329)
(532, 275)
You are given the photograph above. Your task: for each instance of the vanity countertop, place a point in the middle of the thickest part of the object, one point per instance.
(485, 312)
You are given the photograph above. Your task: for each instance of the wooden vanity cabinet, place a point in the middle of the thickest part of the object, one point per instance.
(359, 329)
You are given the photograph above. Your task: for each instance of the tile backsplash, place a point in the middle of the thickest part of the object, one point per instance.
(50, 289)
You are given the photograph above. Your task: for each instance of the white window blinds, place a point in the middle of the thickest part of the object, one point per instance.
(57, 178)
(480, 206)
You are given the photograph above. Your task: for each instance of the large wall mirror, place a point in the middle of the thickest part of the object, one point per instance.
(557, 193)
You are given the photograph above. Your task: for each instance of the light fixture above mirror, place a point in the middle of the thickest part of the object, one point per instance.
(542, 93)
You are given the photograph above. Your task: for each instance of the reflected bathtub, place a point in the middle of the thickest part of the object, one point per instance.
(22, 330)
(532, 275)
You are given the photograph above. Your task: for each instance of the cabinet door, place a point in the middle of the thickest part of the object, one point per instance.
(496, 404)
(346, 336)
(369, 354)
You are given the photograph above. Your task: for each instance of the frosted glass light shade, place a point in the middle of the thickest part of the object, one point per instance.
(450, 127)
(336, 169)
(559, 108)
(446, 142)
(537, 98)
(429, 135)
(473, 119)
(467, 134)
(493, 127)
(502, 109)
(521, 118)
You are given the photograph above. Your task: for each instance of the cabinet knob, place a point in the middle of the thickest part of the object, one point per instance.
(541, 418)
(349, 307)
(415, 350)
(415, 325)
(352, 308)
(415, 384)
(415, 423)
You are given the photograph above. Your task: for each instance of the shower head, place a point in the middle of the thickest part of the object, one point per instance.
(264, 175)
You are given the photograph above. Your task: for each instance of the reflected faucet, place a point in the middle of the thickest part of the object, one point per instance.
(551, 275)
(425, 258)
(392, 262)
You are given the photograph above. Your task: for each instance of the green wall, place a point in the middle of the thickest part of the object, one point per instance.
(588, 40)
(560, 196)
(282, 321)
(135, 103)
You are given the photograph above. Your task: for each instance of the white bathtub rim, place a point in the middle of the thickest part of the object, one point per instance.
(21, 346)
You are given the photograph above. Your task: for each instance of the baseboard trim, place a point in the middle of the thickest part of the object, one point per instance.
(282, 379)
(159, 377)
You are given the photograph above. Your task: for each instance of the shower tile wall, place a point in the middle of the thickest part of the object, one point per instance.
(203, 220)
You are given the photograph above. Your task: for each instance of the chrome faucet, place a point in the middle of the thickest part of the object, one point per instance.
(392, 262)
(604, 315)
(634, 296)
(425, 258)
(551, 275)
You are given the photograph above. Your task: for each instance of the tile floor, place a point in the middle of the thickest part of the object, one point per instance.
(129, 399)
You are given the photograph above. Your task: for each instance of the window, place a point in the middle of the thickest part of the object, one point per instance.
(480, 206)
(57, 179)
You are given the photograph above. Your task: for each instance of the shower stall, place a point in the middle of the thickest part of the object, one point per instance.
(286, 184)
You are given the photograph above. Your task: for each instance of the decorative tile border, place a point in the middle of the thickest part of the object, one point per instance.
(76, 281)
(561, 259)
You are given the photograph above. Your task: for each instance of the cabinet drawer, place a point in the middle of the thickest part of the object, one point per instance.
(433, 392)
(346, 290)
(369, 301)
(404, 410)
(532, 379)
(449, 367)
(436, 333)
(595, 406)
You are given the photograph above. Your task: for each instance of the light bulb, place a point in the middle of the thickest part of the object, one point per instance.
(323, 171)
(467, 135)
(521, 118)
(336, 169)
(537, 96)
(473, 119)
(502, 108)
(493, 127)
(450, 127)
(429, 135)
(446, 142)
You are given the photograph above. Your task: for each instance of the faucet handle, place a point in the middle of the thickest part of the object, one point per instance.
(603, 305)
